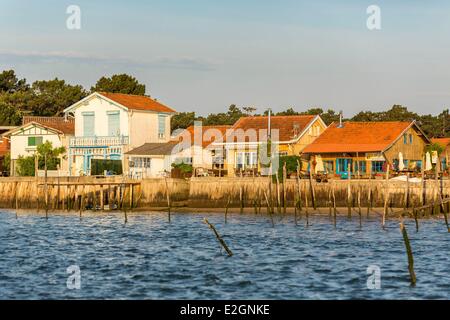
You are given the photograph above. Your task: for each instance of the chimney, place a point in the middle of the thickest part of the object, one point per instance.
(341, 125)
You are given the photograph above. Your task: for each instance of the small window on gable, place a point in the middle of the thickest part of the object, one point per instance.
(410, 139)
(34, 141)
(405, 138)
(161, 125)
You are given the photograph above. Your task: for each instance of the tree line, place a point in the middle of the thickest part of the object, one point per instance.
(51, 97)
(433, 126)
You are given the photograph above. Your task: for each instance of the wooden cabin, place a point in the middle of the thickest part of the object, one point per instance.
(368, 147)
(289, 135)
(444, 156)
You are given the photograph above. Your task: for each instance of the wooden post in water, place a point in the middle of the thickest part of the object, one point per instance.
(298, 187)
(226, 208)
(359, 204)
(58, 197)
(278, 194)
(284, 188)
(415, 219)
(349, 191)
(409, 253)
(311, 186)
(422, 185)
(46, 186)
(269, 208)
(102, 200)
(168, 197)
(36, 177)
(241, 194)
(334, 202)
(386, 196)
(82, 200)
(369, 192)
(406, 203)
(224, 245)
(16, 197)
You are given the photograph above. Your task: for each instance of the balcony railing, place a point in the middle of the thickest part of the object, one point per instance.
(107, 141)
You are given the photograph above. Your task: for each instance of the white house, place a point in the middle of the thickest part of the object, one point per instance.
(190, 146)
(37, 130)
(109, 124)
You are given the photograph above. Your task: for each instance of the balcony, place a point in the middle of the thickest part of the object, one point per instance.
(108, 141)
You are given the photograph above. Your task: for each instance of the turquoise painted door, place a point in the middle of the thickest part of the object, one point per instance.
(113, 123)
(342, 166)
(88, 124)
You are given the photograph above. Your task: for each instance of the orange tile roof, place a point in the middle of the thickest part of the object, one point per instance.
(358, 137)
(207, 138)
(289, 127)
(444, 142)
(136, 102)
(65, 125)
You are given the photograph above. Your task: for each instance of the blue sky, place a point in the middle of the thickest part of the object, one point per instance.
(200, 55)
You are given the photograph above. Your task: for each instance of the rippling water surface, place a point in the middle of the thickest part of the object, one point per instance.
(149, 258)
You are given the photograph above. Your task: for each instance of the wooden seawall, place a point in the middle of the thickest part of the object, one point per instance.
(26, 192)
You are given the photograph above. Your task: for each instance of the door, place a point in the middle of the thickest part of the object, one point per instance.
(342, 166)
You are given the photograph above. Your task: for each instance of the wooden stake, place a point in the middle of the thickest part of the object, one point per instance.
(278, 194)
(422, 185)
(386, 196)
(298, 187)
(284, 188)
(415, 219)
(311, 186)
(46, 187)
(224, 245)
(269, 208)
(409, 253)
(226, 208)
(241, 195)
(334, 203)
(168, 197)
(349, 192)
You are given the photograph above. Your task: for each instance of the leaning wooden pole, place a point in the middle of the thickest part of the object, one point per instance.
(386, 197)
(409, 253)
(221, 241)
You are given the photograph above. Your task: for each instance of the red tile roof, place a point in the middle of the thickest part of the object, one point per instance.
(444, 142)
(208, 136)
(65, 125)
(289, 127)
(136, 102)
(358, 137)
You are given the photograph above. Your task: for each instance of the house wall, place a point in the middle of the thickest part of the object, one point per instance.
(144, 128)
(312, 134)
(411, 151)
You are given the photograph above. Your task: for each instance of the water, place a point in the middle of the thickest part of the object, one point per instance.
(148, 258)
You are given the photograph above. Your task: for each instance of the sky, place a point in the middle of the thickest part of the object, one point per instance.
(203, 55)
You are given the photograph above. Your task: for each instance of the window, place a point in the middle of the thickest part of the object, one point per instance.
(141, 162)
(405, 138)
(328, 166)
(161, 125)
(360, 166)
(342, 165)
(88, 124)
(410, 139)
(377, 166)
(185, 160)
(246, 160)
(34, 141)
(113, 123)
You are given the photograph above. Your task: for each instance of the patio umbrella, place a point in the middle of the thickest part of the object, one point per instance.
(319, 164)
(428, 165)
(401, 164)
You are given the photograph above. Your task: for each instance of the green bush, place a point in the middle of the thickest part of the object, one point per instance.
(25, 165)
(183, 167)
(291, 165)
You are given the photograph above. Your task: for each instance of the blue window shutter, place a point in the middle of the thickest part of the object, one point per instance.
(88, 124)
(113, 124)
